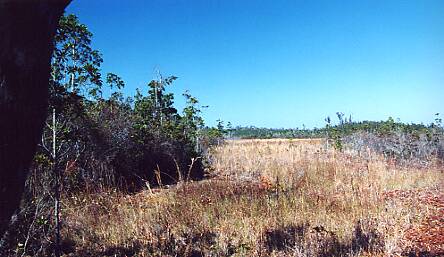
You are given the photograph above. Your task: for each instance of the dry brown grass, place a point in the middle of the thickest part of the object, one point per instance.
(265, 198)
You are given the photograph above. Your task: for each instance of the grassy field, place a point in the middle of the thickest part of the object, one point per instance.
(269, 198)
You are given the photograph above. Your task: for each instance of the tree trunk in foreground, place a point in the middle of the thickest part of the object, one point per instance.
(27, 29)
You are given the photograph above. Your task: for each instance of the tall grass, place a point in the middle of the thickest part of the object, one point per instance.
(263, 198)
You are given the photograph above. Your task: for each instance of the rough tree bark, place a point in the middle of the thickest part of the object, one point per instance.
(27, 28)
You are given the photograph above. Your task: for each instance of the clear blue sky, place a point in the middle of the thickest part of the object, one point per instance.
(280, 63)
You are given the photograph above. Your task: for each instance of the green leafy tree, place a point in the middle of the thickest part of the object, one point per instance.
(75, 65)
(191, 121)
(155, 113)
(74, 94)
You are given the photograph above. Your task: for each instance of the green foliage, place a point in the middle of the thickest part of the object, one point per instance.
(103, 141)
(130, 137)
(154, 113)
(191, 120)
(214, 135)
(335, 135)
(75, 65)
(264, 133)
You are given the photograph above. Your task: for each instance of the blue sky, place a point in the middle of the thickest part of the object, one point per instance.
(279, 63)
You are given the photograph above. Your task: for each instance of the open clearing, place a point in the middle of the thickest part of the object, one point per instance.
(270, 198)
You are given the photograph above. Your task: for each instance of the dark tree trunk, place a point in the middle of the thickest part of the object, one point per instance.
(27, 28)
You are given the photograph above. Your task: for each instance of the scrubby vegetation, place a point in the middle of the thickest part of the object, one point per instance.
(268, 198)
(134, 176)
(396, 140)
(96, 139)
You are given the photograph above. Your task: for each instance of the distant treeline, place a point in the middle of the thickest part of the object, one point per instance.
(252, 132)
(344, 127)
